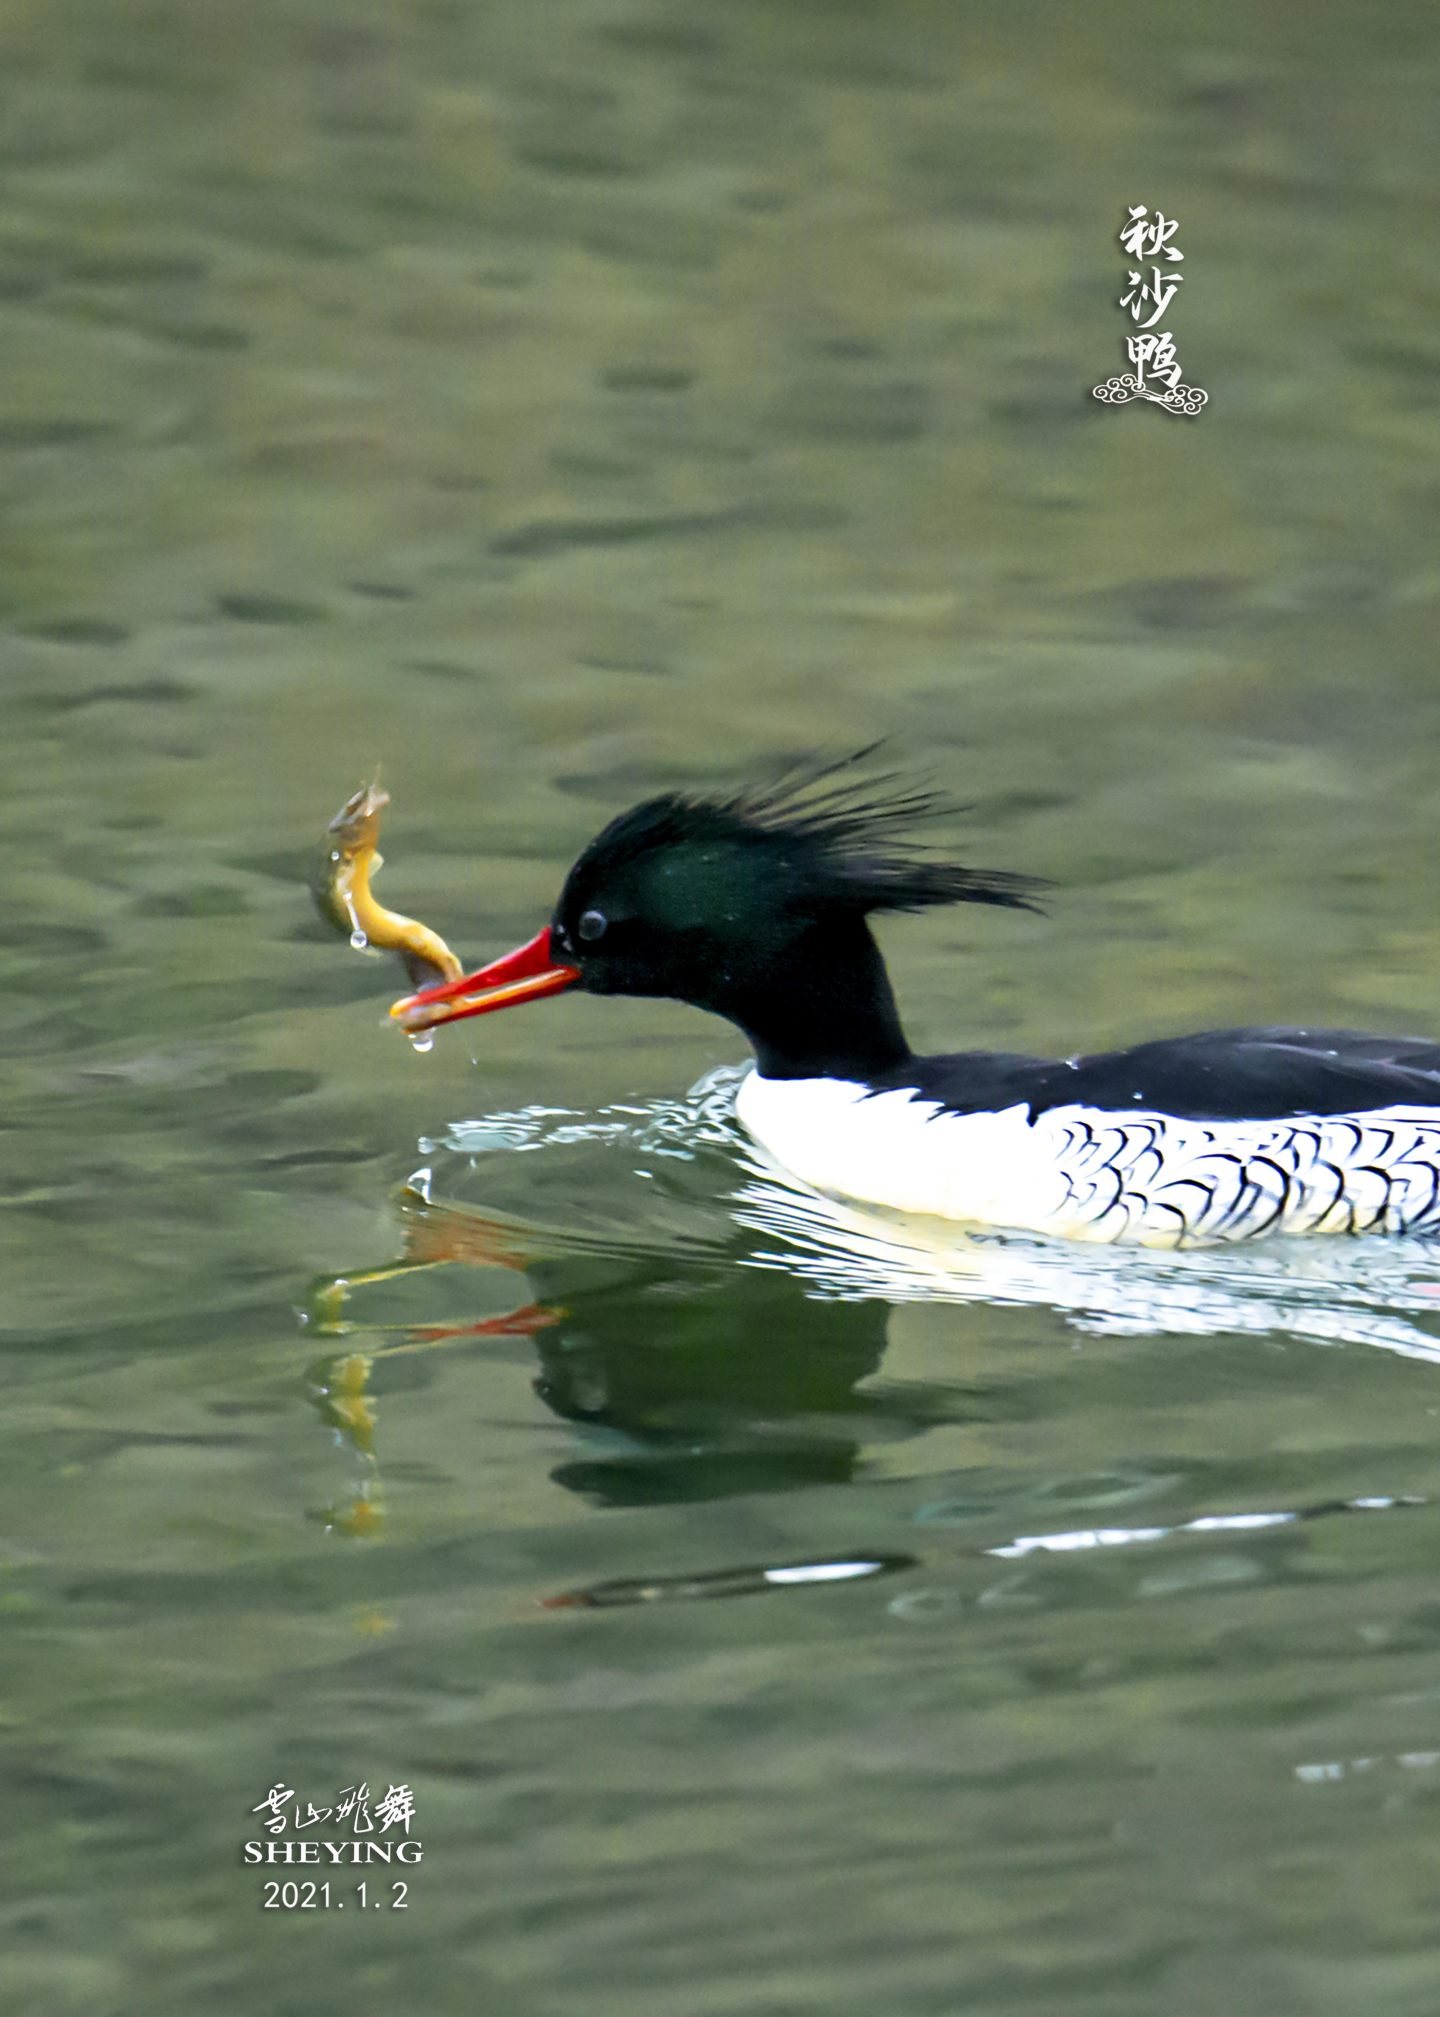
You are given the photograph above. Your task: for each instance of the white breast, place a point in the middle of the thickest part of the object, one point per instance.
(1087, 1174)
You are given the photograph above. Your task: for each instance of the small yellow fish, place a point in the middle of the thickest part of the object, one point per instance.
(344, 898)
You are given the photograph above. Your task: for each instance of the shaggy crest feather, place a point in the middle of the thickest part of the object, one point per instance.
(835, 834)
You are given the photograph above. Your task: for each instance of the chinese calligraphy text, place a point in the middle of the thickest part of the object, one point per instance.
(1152, 288)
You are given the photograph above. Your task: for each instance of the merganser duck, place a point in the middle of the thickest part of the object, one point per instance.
(756, 906)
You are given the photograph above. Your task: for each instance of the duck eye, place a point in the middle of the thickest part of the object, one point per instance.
(591, 925)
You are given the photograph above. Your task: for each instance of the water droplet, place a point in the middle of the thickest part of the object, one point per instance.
(358, 939)
(422, 1040)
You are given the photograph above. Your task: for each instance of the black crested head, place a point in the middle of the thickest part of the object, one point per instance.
(825, 837)
(754, 905)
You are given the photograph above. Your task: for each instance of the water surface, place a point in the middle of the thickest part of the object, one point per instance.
(548, 408)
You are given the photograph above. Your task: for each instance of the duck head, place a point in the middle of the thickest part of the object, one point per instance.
(754, 906)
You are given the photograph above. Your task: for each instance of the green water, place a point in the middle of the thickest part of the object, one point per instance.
(548, 404)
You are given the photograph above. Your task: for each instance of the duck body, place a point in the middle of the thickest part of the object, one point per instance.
(757, 907)
(1187, 1142)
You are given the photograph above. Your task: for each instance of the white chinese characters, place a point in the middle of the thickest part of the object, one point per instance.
(352, 1804)
(1146, 237)
(1157, 374)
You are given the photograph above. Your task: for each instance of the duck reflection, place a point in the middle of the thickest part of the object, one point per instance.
(719, 1382)
(690, 1378)
(694, 1374)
